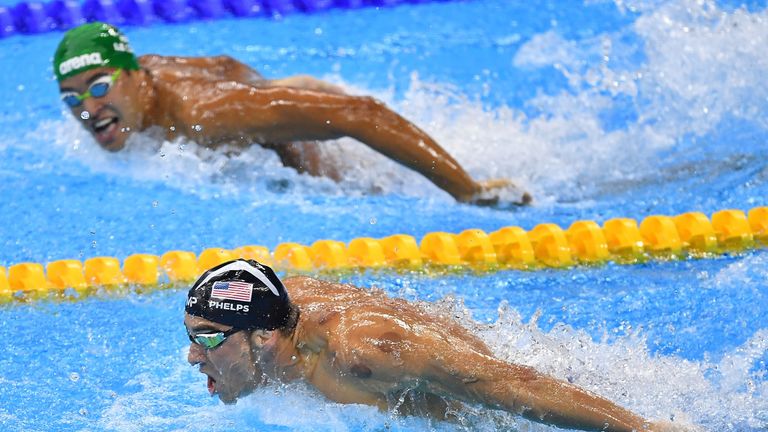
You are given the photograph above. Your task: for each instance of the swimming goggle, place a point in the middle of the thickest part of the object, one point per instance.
(212, 340)
(99, 88)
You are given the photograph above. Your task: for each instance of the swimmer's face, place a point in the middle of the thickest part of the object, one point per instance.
(233, 367)
(112, 117)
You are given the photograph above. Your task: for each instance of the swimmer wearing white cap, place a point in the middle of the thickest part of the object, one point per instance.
(217, 101)
(354, 345)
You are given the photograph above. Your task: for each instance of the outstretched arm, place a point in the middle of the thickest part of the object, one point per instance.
(282, 114)
(541, 398)
(449, 362)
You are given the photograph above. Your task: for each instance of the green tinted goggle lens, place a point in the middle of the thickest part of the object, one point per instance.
(212, 340)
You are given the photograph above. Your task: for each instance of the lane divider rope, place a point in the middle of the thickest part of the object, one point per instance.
(33, 17)
(547, 245)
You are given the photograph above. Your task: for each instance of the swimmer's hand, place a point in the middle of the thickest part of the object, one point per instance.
(678, 426)
(500, 193)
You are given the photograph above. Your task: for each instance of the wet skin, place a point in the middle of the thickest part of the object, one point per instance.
(217, 100)
(359, 346)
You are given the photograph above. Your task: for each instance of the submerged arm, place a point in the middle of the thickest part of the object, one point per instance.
(286, 114)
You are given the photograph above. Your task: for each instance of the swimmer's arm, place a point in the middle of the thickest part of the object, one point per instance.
(537, 397)
(455, 371)
(285, 114)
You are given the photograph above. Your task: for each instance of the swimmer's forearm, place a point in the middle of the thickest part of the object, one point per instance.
(540, 398)
(282, 114)
(563, 405)
(392, 135)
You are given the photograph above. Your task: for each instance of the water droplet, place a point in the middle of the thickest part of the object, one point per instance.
(373, 221)
(85, 115)
(93, 244)
(197, 128)
(83, 412)
(154, 203)
(172, 128)
(74, 376)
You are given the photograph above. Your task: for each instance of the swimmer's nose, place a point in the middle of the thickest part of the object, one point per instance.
(196, 354)
(92, 105)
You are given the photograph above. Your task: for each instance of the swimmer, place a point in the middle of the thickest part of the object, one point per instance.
(247, 329)
(217, 101)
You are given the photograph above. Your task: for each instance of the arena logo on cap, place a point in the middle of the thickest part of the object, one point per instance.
(80, 61)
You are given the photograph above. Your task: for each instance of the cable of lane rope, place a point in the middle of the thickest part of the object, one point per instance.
(32, 17)
(547, 245)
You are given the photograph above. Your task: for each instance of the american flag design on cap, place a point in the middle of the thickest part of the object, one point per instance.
(232, 290)
(241, 293)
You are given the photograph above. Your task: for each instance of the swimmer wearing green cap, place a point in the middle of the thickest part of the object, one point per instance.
(217, 100)
(247, 328)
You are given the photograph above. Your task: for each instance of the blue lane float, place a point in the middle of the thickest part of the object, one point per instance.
(33, 17)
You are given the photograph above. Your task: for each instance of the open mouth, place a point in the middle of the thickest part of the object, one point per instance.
(211, 385)
(105, 129)
(103, 124)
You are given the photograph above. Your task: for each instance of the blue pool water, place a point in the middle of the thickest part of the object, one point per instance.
(601, 109)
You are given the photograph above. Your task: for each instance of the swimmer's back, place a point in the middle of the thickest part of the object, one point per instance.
(346, 308)
(217, 68)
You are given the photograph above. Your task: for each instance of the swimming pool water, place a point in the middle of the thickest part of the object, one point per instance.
(601, 109)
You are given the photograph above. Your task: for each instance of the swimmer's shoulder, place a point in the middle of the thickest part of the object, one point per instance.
(209, 69)
(156, 60)
(306, 284)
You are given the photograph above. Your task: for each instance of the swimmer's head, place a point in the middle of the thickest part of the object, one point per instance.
(242, 294)
(235, 315)
(96, 71)
(90, 46)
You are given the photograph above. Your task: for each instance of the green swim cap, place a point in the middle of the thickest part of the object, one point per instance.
(90, 46)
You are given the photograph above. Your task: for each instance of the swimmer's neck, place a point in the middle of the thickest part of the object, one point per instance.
(288, 358)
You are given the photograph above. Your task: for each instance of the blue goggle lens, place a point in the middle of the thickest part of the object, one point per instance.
(71, 100)
(100, 89)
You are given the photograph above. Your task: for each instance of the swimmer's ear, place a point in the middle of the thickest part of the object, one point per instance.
(260, 337)
(261, 340)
